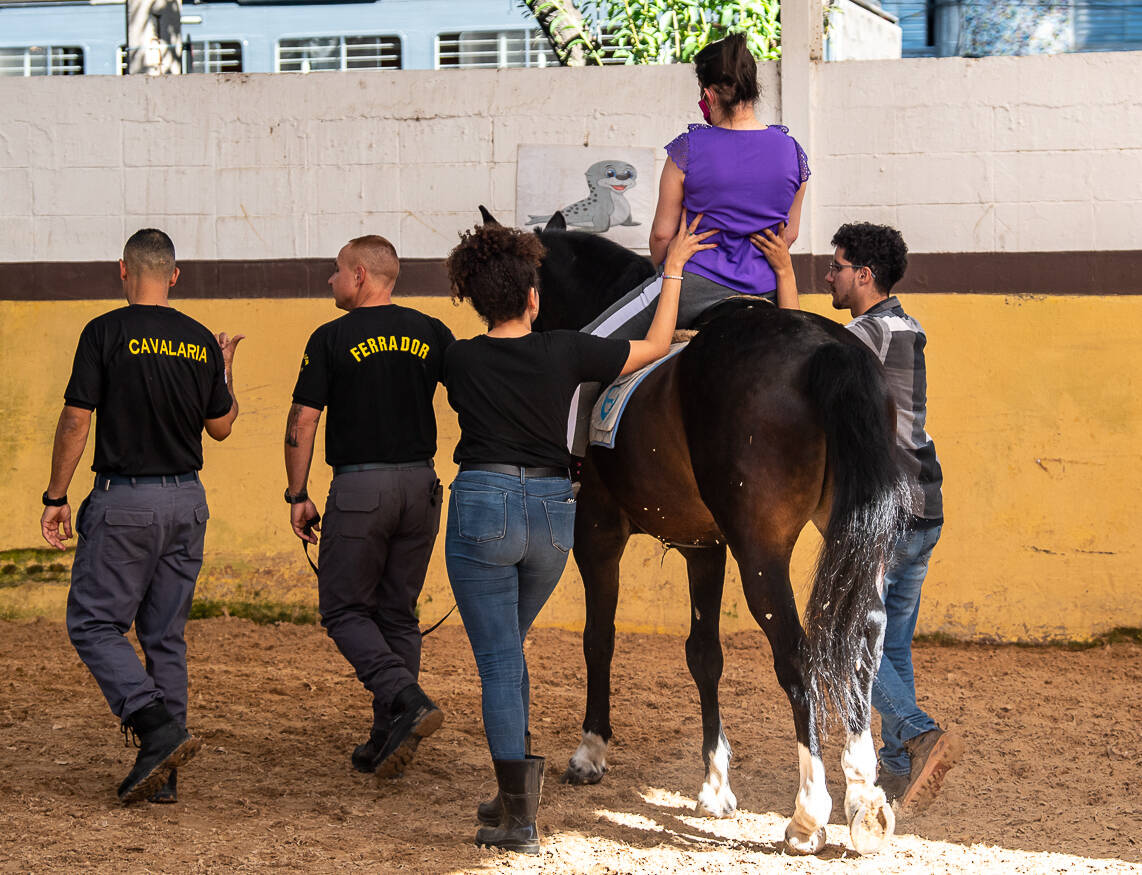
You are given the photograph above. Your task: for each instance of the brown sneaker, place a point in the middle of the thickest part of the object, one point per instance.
(932, 754)
(892, 784)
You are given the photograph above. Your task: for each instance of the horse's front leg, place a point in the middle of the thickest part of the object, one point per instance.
(870, 817)
(769, 595)
(706, 569)
(601, 533)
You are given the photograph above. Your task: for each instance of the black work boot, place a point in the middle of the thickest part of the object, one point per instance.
(365, 756)
(414, 717)
(490, 813)
(163, 745)
(167, 794)
(521, 782)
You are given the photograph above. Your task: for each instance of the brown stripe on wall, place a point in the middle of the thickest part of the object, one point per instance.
(1000, 273)
(270, 278)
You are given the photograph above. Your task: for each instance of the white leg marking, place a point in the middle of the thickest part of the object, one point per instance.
(805, 833)
(590, 758)
(716, 798)
(870, 818)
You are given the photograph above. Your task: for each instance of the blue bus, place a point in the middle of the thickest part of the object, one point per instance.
(69, 38)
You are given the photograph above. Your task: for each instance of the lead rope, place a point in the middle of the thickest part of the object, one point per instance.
(423, 633)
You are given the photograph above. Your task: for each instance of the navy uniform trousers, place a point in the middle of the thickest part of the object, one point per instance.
(377, 536)
(137, 561)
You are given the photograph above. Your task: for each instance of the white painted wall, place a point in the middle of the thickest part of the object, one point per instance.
(280, 166)
(994, 154)
(1002, 154)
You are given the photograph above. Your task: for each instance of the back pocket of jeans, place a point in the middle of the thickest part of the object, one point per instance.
(481, 515)
(561, 521)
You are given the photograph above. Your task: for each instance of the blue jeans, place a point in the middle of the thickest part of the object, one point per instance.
(506, 547)
(894, 689)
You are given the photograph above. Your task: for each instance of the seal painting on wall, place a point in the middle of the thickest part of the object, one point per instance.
(598, 189)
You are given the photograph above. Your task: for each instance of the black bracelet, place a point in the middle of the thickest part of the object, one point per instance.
(296, 499)
(54, 502)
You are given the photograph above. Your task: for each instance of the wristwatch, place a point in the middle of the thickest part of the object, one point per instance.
(54, 502)
(289, 497)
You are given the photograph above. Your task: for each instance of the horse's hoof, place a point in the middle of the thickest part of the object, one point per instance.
(871, 826)
(581, 778)
(710, 804)
(804, 846)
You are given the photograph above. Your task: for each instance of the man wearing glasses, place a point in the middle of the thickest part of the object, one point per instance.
(916, 754)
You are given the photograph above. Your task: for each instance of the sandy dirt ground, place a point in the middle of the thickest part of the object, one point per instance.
(1051, 782)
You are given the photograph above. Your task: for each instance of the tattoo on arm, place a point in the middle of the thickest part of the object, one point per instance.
(291, 437)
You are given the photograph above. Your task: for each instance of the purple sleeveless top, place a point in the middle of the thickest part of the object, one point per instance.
(743, 181)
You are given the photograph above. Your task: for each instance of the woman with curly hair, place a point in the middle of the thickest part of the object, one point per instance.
(511, 519)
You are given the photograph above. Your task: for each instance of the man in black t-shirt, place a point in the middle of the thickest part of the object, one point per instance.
(155, 378)
(376, 369)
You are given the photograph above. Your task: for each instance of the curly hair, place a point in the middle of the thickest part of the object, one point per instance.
(878, 247)
(493, 267)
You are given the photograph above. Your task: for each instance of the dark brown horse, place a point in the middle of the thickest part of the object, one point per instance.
(769, 419)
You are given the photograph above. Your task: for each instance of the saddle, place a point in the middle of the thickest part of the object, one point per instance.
(609, 409)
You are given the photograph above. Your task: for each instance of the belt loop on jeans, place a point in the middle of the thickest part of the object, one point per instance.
(381, 466)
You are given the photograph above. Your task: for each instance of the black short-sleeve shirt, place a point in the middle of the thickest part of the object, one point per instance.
(376, 369)
(512, 394)
(152, 375)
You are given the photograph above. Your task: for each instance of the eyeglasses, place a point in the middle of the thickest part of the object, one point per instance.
(837, 268)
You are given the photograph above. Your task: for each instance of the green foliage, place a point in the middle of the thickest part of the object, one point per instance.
(664, 31)
(18, 567)
(263, 613)
(566, 30)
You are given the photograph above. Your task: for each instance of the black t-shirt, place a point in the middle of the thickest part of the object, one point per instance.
(512, 394)
(152, 374)
(376, 368)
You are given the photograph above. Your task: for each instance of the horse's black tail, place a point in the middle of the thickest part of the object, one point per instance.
(870, 498)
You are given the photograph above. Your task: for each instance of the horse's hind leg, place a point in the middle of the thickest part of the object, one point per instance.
(769, 595)
(707, 571)
(601, 533)
(870, 817)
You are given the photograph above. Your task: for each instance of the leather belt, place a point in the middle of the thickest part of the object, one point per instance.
(523, 472)
(381, 466)
(106, 481)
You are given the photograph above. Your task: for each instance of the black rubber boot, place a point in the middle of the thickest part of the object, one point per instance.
(163, 745)
(414, 716)
(167, 794)
(365, 755)
(490, 813)
(521, 783)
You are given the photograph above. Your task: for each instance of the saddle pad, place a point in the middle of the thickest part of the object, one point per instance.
(608, 410)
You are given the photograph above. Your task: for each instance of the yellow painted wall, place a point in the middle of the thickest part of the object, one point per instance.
(1034, 404)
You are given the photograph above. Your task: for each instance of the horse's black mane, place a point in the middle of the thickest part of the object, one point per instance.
(583, 274)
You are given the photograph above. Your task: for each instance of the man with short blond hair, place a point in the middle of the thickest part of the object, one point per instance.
(376, 370)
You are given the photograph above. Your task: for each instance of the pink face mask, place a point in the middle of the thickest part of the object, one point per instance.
(705, 107)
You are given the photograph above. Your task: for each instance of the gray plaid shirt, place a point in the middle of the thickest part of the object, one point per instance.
(898, 341)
